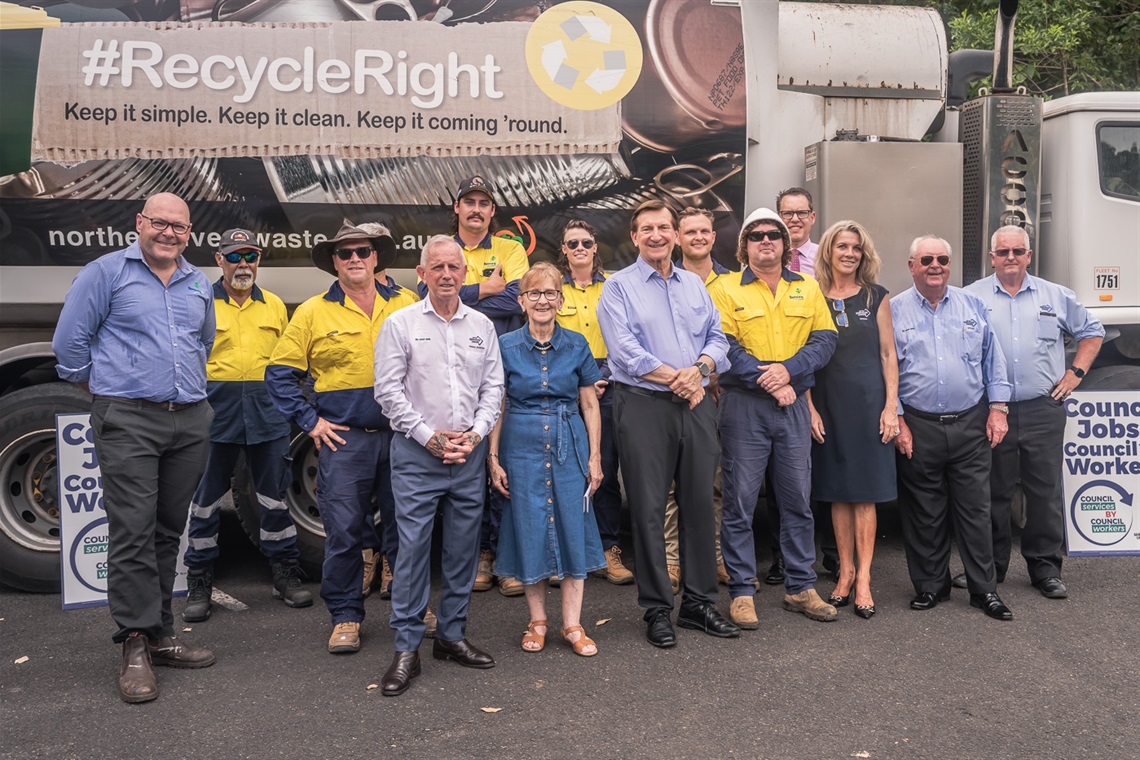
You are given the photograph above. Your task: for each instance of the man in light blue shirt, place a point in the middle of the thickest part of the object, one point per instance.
(664, 338)
(1030, 318)
(136, 329)
(948, 362)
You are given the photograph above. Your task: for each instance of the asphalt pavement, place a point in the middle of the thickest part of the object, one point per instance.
(1062, 680)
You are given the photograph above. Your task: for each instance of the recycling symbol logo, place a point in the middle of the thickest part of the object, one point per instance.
(583, 55)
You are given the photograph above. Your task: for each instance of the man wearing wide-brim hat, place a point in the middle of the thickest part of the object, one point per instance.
(331, 338)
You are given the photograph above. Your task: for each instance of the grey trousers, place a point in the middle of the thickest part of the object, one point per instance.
(151, 461)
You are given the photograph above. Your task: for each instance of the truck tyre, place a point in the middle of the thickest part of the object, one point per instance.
(29, 500)
(1121, 377)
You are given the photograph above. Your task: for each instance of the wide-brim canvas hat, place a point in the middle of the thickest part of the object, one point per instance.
(377, 234)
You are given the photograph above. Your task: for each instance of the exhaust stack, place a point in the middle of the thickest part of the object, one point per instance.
(1003, 46)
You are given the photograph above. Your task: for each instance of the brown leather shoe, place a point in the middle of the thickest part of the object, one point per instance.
(810, 604)
(385, 578)
(136, 676)
(483, 578)
(405, 666)
(174, 653)
(511, 587)
(614, 571)
(721, 574)
(345, 638)
(743, 613)
(371, 560)
(675, 578)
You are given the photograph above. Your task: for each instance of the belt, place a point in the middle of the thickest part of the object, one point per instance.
(168, 406)
(637, 390)
(563, 430)
(942, 419)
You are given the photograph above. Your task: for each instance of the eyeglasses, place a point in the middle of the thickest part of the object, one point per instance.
(839, 306)
(756, 236)
(1003, 253)
(926, 261)
(161, 224)
(586, 244)
(346, 254)
(790, 215)
(249, 257)
(549, 295)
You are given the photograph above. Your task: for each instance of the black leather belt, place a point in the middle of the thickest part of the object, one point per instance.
(169, 406)
(942, 419)
(648, 393)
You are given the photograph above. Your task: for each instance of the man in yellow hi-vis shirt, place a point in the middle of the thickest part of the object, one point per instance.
(331, 338)
(250, 320)
(779, 331)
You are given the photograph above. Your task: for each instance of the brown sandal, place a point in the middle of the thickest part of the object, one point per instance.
(583, 641)
(533, 637)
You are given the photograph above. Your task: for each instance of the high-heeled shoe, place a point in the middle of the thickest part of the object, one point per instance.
(865, 611)
(839, 601)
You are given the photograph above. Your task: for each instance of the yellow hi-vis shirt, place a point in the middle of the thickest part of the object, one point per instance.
(579, 311)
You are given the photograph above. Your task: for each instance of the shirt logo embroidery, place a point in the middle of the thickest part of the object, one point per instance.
(970, 322)
(863, 314)
(476, 341)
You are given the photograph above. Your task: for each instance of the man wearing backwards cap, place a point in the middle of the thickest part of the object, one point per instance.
(331, 338)
(250, 320)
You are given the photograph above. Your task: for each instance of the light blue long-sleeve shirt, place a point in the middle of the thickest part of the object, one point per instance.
(947, 357)
(127, 335)
(1030, 327)
(648, 321)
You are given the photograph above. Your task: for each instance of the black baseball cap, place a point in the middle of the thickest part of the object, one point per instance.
(471, 184)
(238, 240)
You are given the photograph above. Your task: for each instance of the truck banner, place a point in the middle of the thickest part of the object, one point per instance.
(83, 534)
(1102, 473)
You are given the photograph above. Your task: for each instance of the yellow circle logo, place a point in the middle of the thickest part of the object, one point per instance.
(583, 55)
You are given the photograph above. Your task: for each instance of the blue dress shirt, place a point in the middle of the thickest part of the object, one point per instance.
(127, 335)
(1029, 327)
(947, 357)
(648, 321)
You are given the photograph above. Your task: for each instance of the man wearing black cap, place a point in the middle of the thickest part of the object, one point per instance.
(250, 320)
(331, 339)
(494, 266)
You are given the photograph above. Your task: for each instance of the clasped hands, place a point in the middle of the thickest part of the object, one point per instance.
(776, 379)
(452, 447)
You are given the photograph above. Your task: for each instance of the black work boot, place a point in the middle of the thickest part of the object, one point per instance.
(199, 586)
(287, 584)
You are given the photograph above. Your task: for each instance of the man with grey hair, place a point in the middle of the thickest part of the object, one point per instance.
(439, 379)
(1030, 318)
(949, 363)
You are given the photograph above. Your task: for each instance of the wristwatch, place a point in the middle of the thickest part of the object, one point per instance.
(1003, 408)
(705, 369)
(1080, 373)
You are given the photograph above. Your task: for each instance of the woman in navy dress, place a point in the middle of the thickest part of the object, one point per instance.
(854, 407)
(545, 457)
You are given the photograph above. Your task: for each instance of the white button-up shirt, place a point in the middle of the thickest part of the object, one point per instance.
(437, 374)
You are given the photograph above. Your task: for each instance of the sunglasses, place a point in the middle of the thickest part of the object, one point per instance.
(248, 257)
(346, 254)
(839, 306)
(1003, 253)
(586, 244)
(756, 236)
(926, 261)
(549, 295)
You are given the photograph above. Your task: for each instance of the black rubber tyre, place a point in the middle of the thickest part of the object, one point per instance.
(29, 491)
(1121, 377)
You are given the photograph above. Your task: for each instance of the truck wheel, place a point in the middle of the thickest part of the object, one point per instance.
(29, 499)
(1117, 378)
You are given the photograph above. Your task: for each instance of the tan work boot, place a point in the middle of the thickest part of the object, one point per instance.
(721, 574)
(810, 604)
(743, 613)
(614, 571)
(385, 578)
(371, 559)
(510, 587)
(431, 622)
(345, 638)
(675, 578)
(483, 577)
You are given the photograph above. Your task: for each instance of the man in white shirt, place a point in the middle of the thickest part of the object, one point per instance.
(439, 380)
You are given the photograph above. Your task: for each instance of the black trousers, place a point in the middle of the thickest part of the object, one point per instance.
(1032, 452)
(660, 442)
(151, 461)
(947, 481)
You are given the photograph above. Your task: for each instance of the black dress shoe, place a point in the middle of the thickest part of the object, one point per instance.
(1052, 588)
(659, 631)
(405, 666)
(992, 605)
(959, 581)
(704, 617)
(775, 574)
(463, 652)
(926, 600)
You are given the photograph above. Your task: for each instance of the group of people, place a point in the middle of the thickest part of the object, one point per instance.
(505, 398)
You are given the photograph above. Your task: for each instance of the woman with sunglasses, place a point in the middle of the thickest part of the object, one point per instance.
(854, 407)
(545, 458)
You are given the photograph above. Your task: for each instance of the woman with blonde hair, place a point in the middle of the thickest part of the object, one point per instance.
(854, 407)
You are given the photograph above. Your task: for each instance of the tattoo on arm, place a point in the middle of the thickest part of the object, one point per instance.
(473, 438)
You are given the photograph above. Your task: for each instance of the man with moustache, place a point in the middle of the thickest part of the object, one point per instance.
(664, 340)
(1030, 317)
(136, 329)
(780, 331)
(330, 340)
(949, 362)
(250, 320)
(494, 266)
